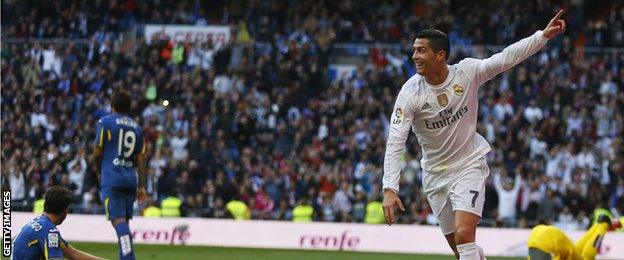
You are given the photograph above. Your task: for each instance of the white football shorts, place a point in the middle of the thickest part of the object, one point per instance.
(461, 188)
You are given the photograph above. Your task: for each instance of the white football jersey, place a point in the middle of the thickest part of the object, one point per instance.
(444, 117)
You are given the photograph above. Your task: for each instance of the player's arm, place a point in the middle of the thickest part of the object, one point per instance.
(98, 147)
(142, 172)
(142, 168)
(74, 254)
(511, 56)
(400, 125)
(97, 158)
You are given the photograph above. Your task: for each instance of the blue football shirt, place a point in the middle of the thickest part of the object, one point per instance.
(38, 239)
(122, 140)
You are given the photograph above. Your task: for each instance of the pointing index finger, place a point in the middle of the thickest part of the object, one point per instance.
(558, 15)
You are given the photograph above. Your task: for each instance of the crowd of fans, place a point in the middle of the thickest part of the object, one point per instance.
(258, 120)
(590, 23)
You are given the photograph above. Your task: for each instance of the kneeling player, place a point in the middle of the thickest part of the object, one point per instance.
(39, 238)
(550, 243)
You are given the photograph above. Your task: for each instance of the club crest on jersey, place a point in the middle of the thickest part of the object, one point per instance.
(53, 240)
(458, 89)
(398, 116)
(443, 100)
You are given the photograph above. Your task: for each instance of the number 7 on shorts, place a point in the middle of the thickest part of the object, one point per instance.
(474, 198)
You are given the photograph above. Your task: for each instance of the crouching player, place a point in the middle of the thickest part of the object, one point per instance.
(39, 238)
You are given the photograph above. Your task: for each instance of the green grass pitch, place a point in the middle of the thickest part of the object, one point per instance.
(200, 252)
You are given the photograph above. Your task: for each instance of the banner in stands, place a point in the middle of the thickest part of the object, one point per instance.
(315, 236)
(187, 33)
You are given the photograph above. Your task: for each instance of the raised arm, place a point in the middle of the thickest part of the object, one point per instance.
(83, 163)
(72, 163)
(497, 182)
(511, 56)
(518, 182)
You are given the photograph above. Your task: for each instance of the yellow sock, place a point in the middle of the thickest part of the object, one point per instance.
(580, 244)
(591, 246)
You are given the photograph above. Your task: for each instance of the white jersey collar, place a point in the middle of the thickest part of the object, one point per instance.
(448, 79)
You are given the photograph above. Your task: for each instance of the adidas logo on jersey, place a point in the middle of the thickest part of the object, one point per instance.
(426, 106)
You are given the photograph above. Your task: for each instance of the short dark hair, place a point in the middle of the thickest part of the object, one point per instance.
(57, 200)
(437, 39)
(121, 101)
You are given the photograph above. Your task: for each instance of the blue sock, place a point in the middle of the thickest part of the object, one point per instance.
(124, 240)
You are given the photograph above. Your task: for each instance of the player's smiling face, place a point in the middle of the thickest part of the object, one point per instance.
(424, 57)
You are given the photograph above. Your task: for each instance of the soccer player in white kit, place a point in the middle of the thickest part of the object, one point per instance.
(440, 105)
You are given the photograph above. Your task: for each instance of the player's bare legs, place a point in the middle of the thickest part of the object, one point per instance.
(450, 238)
(465, 230)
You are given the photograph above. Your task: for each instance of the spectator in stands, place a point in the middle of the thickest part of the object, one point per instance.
(507, 196)
(16, 183)
(546, 211)
(304, 212)
(77, 169)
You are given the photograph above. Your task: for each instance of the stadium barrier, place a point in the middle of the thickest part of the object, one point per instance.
(314, 236)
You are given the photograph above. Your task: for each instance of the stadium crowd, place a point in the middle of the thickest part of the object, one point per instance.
(591, 23)
(258, 120)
